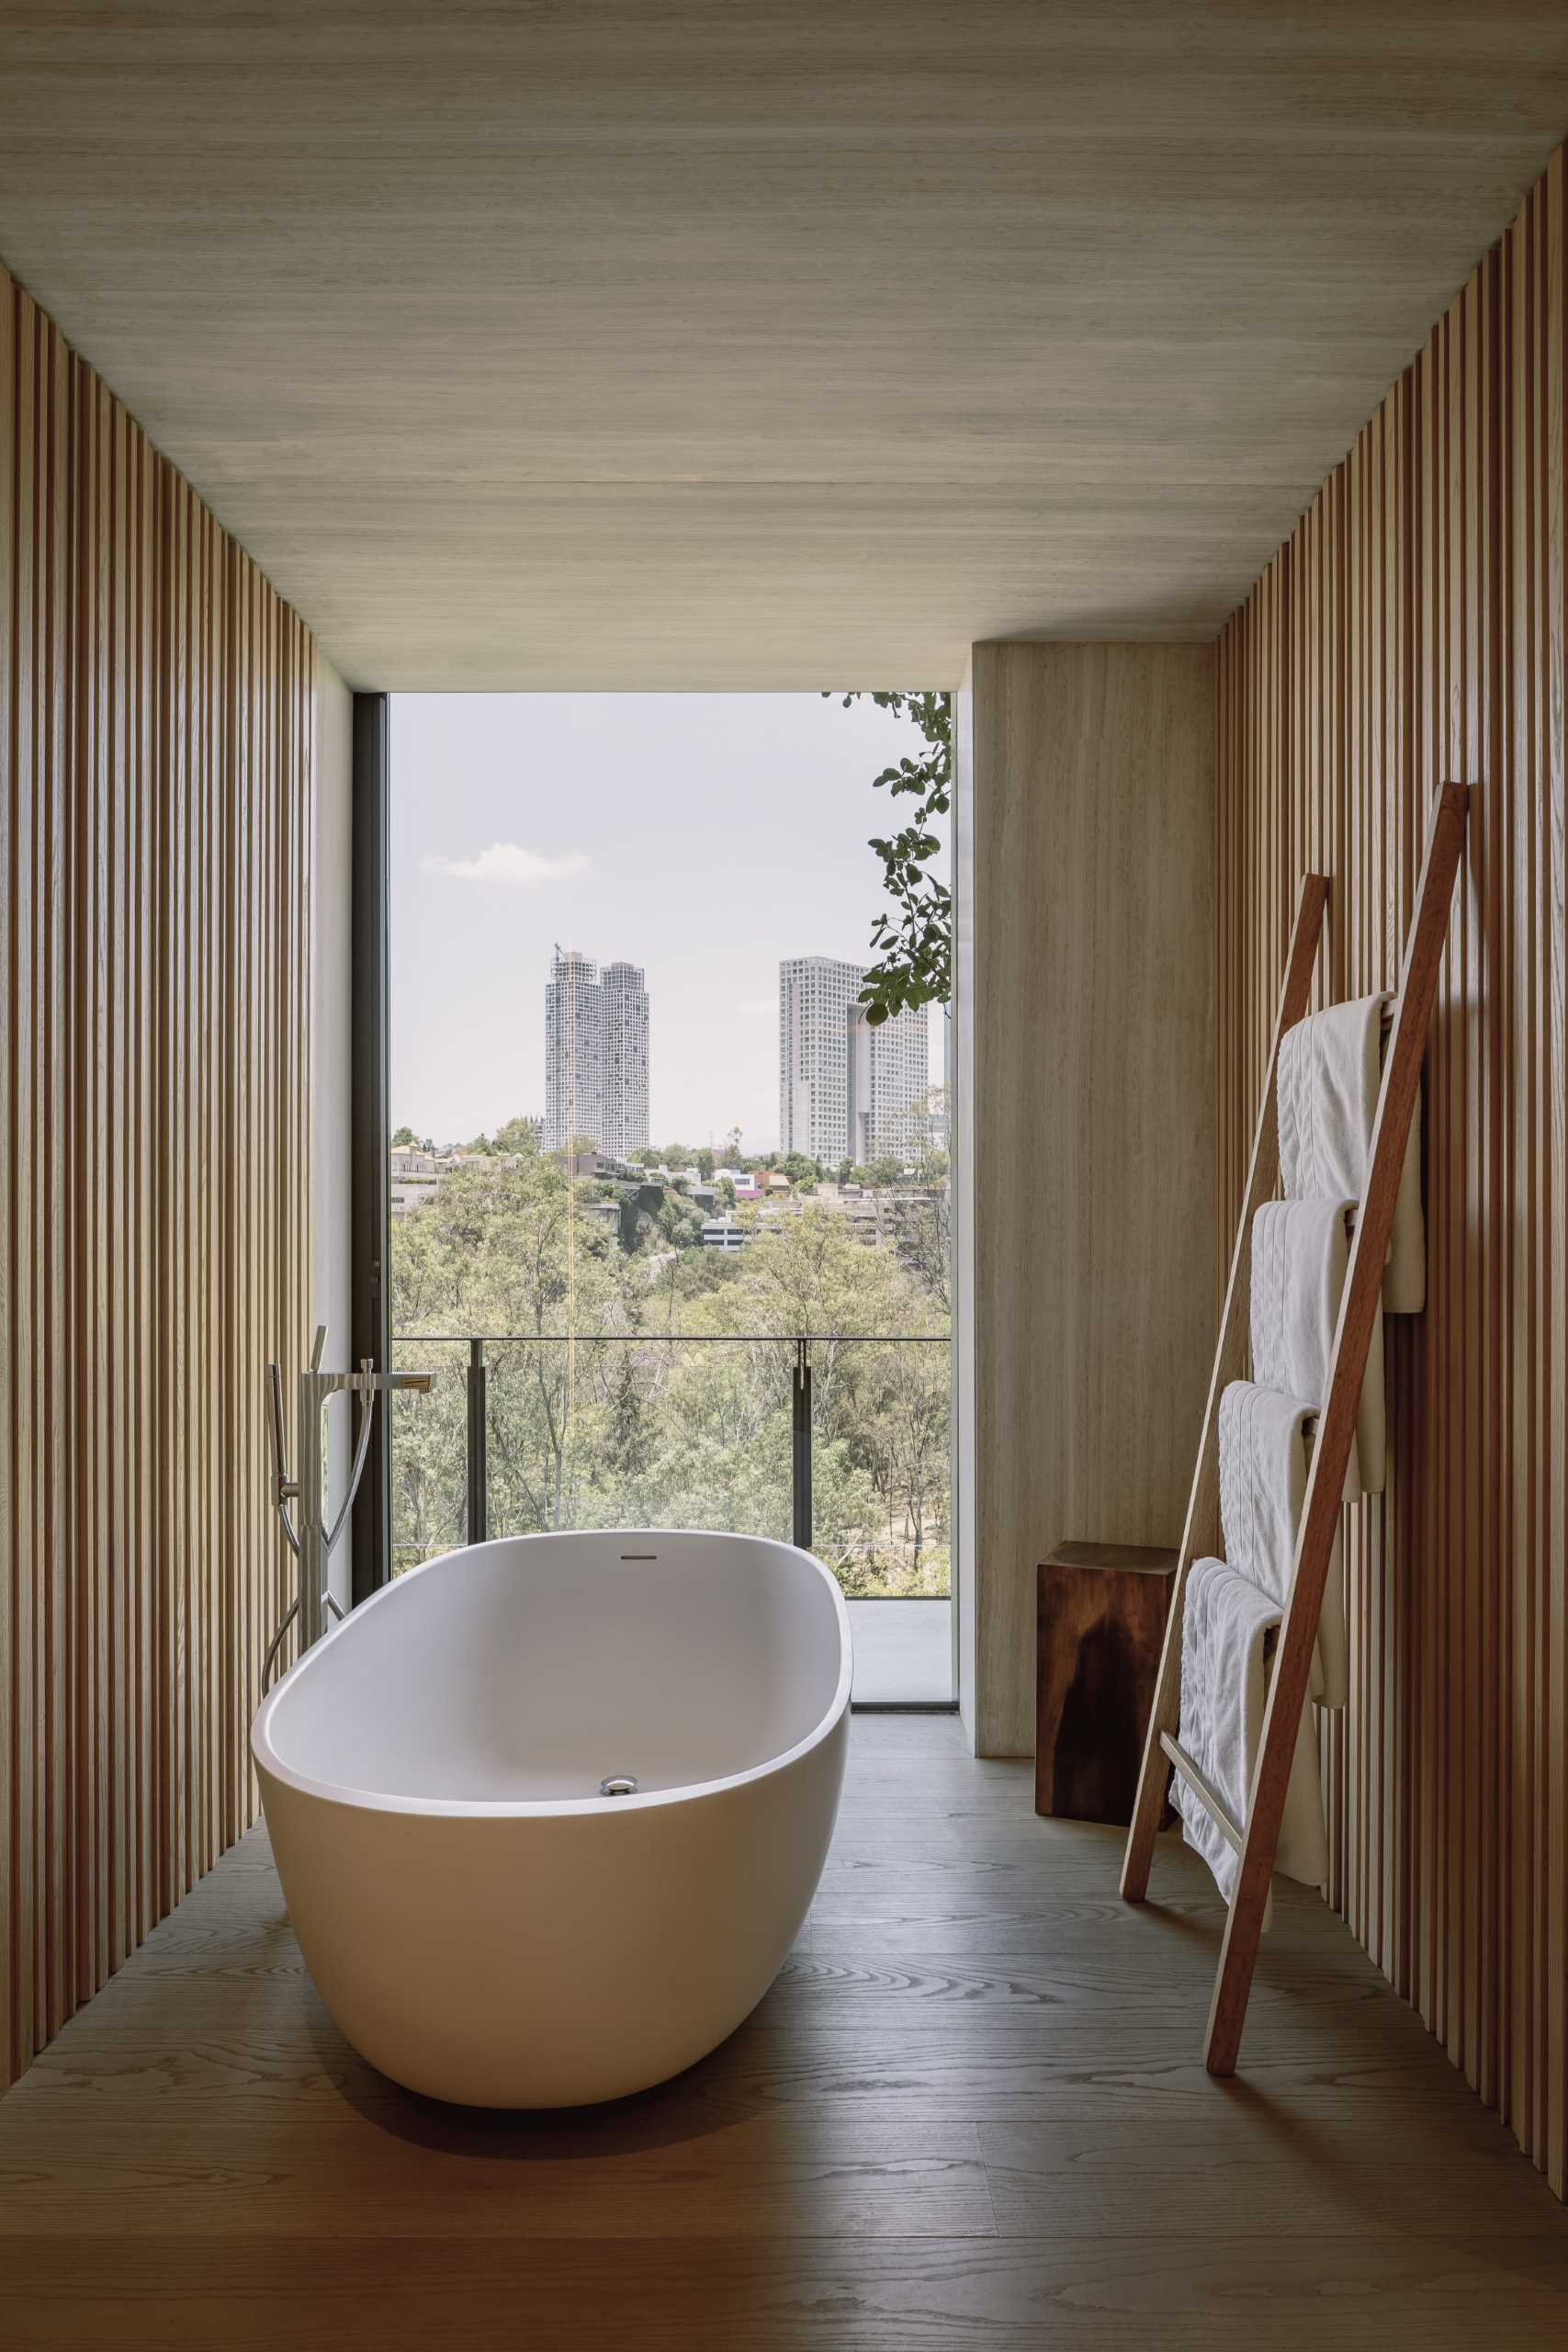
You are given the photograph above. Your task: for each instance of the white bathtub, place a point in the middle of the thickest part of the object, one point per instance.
(482, 1924)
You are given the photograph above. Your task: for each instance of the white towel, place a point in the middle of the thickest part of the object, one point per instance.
(1227, 1632)
(1263, 1476)
(1329, 1073)
(1300, 1251)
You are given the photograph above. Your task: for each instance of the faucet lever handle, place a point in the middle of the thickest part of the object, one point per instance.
(284, 1488)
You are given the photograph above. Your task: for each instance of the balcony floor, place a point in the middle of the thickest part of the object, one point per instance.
(971, 2113)
(903, 1650)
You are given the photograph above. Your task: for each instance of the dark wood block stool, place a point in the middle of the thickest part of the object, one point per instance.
(1099, 1627)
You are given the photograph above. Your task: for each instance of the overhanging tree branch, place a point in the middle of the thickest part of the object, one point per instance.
(914, 943)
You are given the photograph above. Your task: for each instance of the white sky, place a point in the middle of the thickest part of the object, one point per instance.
(703, 836)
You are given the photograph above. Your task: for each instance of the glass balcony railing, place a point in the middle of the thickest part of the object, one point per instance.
(839, 1441)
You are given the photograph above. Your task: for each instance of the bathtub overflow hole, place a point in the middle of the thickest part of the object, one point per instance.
(619, 1784)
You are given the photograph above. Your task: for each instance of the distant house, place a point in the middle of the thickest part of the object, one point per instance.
(413, 1177)
(724, 1233)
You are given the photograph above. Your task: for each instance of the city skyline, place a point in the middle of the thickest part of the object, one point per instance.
(702, 838)
(848, 1088)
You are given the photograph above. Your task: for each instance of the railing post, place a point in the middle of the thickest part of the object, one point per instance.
(801, 1434)
(479, 1444)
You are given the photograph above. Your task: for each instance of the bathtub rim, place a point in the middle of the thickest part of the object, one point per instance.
(270, 1764)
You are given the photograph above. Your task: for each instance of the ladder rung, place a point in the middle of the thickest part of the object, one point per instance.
(1213, 1804)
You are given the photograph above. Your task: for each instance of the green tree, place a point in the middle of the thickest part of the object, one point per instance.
(680, 1222)
(518, 1135)
(922, 1232)
(914, 943)
(623, 1424)
(508, 1250)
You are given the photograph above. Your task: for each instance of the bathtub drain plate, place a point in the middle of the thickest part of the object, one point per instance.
(619, 1784)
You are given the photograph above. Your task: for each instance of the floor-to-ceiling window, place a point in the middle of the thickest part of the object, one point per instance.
(669, 1216)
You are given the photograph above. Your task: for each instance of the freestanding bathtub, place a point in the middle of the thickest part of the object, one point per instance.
(483, 1924)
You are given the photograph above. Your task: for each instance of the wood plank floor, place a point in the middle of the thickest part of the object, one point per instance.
(971, 2113)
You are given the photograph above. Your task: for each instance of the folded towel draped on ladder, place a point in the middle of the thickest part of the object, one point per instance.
(1330, 1070)
(1263, 1450)
(1330, 1077)
(1227, 1630)
(1300, 1253)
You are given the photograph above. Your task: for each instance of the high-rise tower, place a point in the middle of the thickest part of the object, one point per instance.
(890, 1082)
(623, 1003)
(595, 1054)
(846, 1090)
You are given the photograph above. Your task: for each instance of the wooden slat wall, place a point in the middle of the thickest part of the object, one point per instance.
(157, 705)
(1415, 628)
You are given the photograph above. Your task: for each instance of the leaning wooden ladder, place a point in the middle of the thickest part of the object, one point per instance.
(1257, 1841)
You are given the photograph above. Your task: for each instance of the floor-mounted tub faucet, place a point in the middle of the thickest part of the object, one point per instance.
(311, 1541)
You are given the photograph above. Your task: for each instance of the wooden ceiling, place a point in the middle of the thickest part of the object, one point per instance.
(728, 345)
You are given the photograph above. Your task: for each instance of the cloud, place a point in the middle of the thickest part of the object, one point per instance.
(520, 869)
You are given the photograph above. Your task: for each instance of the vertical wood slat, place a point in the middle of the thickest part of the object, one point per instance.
(1416, 627)
(155, 729)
